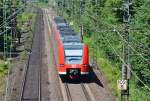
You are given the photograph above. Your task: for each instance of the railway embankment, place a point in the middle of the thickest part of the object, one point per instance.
(11, 72)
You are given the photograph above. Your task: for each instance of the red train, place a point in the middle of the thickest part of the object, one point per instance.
(71, 54)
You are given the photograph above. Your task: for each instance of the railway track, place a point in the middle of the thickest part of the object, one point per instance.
(66, 88)
(81, 91)
(31, 84)
(85, 92)
(69, 93)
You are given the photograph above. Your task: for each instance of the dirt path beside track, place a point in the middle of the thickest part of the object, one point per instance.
(54, 87)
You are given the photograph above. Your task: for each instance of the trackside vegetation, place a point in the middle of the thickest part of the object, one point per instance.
(103, 27)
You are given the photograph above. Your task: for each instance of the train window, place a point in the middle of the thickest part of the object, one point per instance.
(73, 56)
(73, 59)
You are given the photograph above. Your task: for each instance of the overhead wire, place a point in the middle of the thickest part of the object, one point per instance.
(109, 43)
(132, 47)
(146, 86)
(139, 43)
(93, 17)
(4, 31)
(9, 17)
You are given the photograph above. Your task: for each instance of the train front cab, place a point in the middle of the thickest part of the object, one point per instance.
(73, 62)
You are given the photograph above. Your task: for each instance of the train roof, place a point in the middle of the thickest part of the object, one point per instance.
(67, 34)
(59, 25)
(71, 39)
(63, 26)
(59, 19)
(66, 31)
(73, 46)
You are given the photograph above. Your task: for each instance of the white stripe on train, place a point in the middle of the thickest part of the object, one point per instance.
(66, 73)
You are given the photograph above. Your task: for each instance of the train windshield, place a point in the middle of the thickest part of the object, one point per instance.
(73, 56)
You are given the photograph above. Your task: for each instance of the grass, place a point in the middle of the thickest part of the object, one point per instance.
(26, 17)
(3, 67)
(3, 72)
(112, 73)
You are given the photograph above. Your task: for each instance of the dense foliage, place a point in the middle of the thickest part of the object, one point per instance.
(103, 26)
(9, 22)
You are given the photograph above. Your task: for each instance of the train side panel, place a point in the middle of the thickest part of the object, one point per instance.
(63, 67)
(85, 60)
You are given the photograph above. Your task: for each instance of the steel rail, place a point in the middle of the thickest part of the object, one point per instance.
(40, 55)
(88, 98)
(24, 79)
(68, 92)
